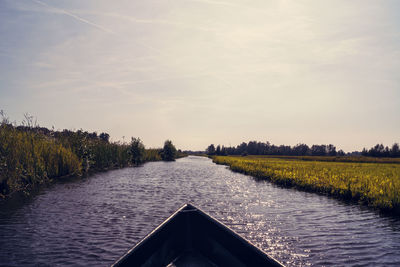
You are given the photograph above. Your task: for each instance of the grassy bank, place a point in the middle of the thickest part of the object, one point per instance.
(28, 157)
(353, 159)
(374, 184)
(34, 155)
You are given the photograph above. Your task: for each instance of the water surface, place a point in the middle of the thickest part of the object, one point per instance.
(95, 220)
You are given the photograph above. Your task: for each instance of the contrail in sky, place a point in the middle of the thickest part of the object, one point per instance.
(74, 16)
(97, 26)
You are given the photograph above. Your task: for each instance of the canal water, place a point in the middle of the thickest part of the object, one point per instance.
(95, 220)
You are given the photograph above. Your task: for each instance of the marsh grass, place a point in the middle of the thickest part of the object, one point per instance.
(29, 158)
(374, 184)
(34, 155)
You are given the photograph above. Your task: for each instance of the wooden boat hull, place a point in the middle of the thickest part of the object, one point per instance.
(190, 237)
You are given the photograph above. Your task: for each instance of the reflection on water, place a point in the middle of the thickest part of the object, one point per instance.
(95, 220)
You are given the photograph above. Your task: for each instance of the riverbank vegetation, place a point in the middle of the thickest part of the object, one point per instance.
(168, 152)
(354, 159)
(373, 184)
(31, 155)
(260, 148)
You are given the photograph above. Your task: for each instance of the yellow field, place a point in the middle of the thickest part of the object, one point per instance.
(375, 184)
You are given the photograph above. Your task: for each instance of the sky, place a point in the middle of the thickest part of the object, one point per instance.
(206, 71)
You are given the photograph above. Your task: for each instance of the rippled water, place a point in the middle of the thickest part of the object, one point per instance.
(94, 221)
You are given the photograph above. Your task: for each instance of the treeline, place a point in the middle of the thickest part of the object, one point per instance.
(30, 154)
(381, 151)
(260, 148)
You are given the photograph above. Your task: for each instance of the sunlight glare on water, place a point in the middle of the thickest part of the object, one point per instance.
(95, 220)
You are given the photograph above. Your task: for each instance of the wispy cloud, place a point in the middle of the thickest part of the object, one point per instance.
(133, 19)
(249, 7)
(63, 11)
(95, 25)
(220, 3)
(272, 65)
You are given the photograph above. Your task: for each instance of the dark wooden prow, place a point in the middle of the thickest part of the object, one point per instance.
(190, 233)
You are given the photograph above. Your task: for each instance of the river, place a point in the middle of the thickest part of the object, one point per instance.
(93, 221)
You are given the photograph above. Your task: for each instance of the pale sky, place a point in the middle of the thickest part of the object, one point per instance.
(203, 71)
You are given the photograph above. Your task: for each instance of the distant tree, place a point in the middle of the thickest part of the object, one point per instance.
(386, 152)
(364, 152)
(284, 150)
(223, 151)
(104, 137)
(242, 149)
(377, 151)
(92, 135)
(340, 153)
(252, 148)
(218, 150)
(331, 150)
(381, 151)
(301, 150)
(395, 150)
(261, 148)
(210, 149)
(168, 152)
(318, 150)
(137, 151)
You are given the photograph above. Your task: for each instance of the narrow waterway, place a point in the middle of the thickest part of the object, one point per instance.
(93, 221)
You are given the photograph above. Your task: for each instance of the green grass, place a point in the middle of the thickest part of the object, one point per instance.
(34, 155)
(360, 159)
(28, 158)
(375, 184)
